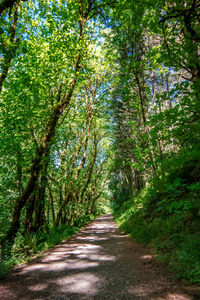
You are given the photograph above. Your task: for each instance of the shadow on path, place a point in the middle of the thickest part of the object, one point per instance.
(97, 263)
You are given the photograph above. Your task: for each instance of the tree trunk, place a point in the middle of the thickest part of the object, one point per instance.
(28, 224)
(40, 200)
(51, 204)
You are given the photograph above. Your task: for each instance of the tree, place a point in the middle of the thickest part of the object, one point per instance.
(43, 149)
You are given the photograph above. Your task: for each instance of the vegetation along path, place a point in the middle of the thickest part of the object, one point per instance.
(97, 263)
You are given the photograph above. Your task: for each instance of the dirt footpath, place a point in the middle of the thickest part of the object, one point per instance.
(97, 263)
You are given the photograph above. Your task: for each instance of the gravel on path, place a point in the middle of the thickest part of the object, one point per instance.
(97, 263)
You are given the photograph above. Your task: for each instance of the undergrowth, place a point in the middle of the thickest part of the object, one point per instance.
(169, 223)
(31, 245)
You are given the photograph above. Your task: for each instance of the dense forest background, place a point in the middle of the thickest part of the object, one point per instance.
(99, 104)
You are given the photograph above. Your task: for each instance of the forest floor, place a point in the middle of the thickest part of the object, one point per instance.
(97, 263)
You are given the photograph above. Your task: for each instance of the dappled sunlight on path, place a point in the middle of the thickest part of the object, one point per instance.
(97, 263)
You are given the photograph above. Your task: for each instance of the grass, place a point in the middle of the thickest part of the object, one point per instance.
(174, 239)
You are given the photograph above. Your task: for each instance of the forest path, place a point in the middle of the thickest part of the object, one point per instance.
(97, 263)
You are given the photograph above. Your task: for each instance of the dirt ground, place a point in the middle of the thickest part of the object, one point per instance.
(97, 263)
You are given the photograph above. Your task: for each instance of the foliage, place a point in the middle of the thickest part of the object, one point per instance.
(155, 103)
(99, 101)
